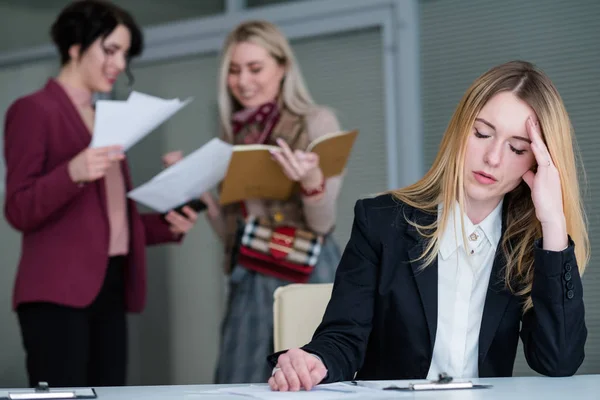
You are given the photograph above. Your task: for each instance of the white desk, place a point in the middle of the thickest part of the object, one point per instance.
(580, 387)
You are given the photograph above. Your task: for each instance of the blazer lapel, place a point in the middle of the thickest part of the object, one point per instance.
(425, 278)
(496, 300)
(79, 131)
(67, 108)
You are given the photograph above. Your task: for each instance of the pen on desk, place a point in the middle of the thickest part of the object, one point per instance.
(370, 385)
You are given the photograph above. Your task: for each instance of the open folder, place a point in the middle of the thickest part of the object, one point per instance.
(253, 173)
(127, 122)
(197, 173)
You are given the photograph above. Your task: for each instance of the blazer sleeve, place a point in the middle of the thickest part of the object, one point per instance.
(341, 338)
(33, 192)
(553, 331)
(157, 230)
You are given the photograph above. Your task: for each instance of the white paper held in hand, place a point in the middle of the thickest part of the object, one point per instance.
(197, 173)
(127, 122)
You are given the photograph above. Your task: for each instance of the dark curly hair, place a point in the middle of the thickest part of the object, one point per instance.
(84, 21)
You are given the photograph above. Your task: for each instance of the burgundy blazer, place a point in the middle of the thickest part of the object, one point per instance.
(64, 226)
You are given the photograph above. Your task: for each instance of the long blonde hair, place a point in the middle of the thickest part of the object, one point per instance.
(443, 183)
(294, 94)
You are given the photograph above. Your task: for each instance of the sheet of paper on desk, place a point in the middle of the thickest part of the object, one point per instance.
(197, 173)
(127, 122)
(320, 392)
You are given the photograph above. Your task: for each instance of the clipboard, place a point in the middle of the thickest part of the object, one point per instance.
(42, 391)
(444, 382)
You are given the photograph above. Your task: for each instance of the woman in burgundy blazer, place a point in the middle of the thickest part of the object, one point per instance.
(83, 263)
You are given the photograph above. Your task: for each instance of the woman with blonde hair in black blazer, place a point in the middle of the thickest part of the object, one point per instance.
(446, 274)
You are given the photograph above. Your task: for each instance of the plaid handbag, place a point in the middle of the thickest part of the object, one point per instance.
(283, 252)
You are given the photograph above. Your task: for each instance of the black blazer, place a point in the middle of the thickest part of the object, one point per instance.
(382, 317)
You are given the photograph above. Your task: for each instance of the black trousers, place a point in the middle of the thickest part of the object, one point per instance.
(75, 347)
